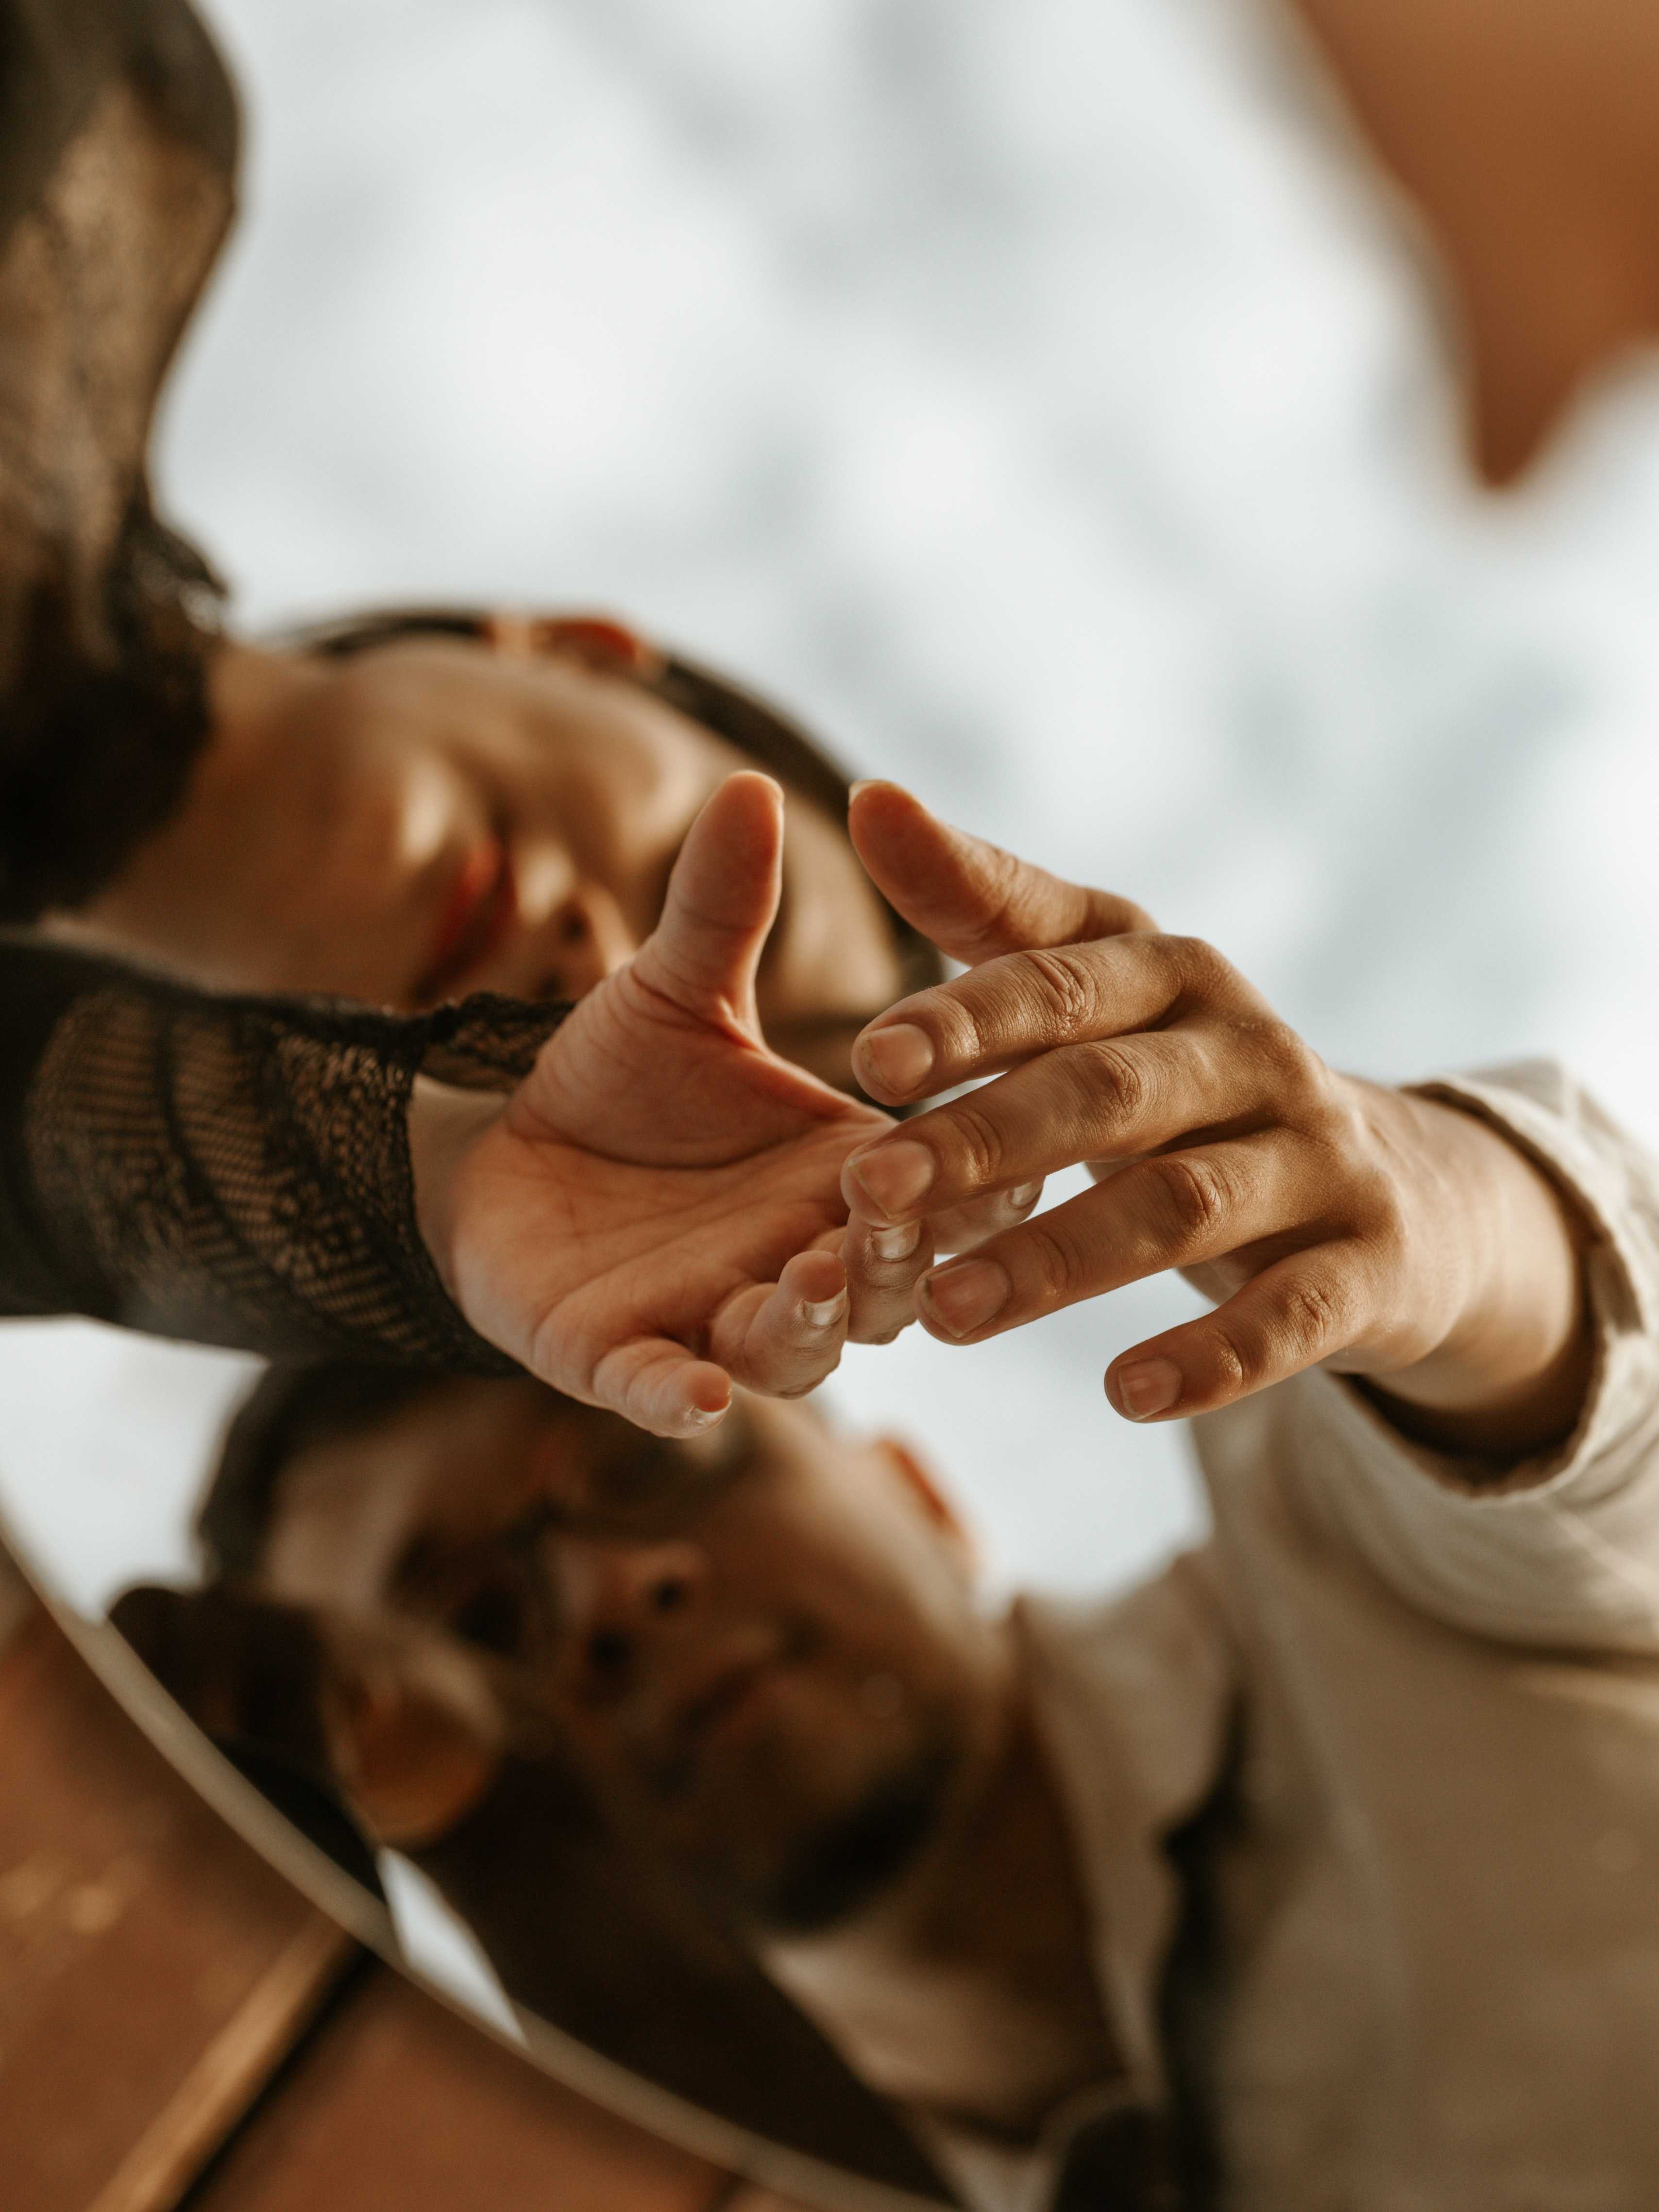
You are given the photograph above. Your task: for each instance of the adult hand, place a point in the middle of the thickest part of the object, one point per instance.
(655, 1214)
(1332, 1219)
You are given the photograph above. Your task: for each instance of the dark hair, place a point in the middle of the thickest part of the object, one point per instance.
(291, 1410)
(95, 750)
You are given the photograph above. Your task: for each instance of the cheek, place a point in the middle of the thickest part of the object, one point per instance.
(835, 951)
(626, 810)
(381, 822)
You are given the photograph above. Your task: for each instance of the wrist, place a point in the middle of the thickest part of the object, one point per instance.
(1502, 1249)
(445, 1126)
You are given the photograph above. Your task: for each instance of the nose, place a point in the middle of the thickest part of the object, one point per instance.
(584, 939)
(618, 1600)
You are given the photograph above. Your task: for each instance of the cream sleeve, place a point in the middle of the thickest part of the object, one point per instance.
(1560, 1552)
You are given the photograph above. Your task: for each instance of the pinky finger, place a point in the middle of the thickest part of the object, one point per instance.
(658, 1385)
(1300, 1310)
(782, 1338)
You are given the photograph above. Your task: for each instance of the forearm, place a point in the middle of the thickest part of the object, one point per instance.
(1508, 1379)
(232, 1171)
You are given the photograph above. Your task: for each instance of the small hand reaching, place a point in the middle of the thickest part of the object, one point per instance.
(655, 1214)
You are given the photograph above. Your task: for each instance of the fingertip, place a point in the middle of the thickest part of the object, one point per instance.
(899, 1243)
(893, 1060)
(816, 1280)
(722, 896)
(706, 1397)
(825, 1314)
(874, 803)
(1145, 1389)
(748, 802)
(963, 1297)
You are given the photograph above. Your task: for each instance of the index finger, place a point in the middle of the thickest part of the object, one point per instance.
(970, 897)
(1009, 1010)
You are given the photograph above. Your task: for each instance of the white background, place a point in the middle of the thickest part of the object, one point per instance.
(1039, 400)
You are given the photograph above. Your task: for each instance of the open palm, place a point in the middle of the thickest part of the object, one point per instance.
(656, 1212)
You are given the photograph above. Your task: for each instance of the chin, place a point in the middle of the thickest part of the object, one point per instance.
(839, 1863)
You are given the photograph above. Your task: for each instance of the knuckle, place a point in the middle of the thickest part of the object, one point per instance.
(1115, 1087)
(1003, 893)
(1189, 1200)
(1201, 971)
(948, 1016)
(1311, 1316)
(1237, 1366)
(1379, 1212)
(1055, 1263)
(1301, 1077)
(1061, 984)
(972, 1143)
(1332, 1116)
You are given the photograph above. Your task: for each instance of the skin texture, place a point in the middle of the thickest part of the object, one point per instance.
(655, 1213)
(437, 816)
(1331, 1220)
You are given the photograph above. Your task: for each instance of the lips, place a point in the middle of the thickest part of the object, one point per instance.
(481, 909)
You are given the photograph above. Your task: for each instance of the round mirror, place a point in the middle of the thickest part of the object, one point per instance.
(1036, 403)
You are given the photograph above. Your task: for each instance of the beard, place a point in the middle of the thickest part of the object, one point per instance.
(845, 1862)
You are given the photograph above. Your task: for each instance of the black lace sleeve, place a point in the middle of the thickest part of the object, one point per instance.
(234, 1171)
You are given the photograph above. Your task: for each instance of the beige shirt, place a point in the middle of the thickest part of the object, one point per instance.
(1421, 1719)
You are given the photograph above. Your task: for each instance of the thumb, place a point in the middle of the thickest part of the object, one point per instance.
(722, 901)
(975, 901)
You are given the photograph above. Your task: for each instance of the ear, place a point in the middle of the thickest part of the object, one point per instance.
(414, 1733)
(923, 1485)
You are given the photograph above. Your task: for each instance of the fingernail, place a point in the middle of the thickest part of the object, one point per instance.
(962, 1299)
(894, 1176)
(1026, 1196)
(1149, 1386)
(826, 1313)
(699, 1416)
(897, 1243)
(896, 1059)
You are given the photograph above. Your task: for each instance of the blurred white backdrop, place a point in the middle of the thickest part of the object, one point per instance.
(1046, 404)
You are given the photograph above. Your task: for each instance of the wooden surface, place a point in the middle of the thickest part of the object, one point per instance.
(152, 1969)
(396, 2105)
(178, 2024)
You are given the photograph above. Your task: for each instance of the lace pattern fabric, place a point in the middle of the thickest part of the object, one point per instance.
(235, 1171)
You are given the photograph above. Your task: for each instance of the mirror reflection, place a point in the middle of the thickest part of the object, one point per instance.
(1102, 423)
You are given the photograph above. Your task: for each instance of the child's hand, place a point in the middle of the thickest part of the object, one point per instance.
(1334, 1221)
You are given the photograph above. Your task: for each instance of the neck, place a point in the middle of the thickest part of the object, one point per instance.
(967, 1989)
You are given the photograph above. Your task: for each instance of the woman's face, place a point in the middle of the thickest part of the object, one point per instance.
(434, 816)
